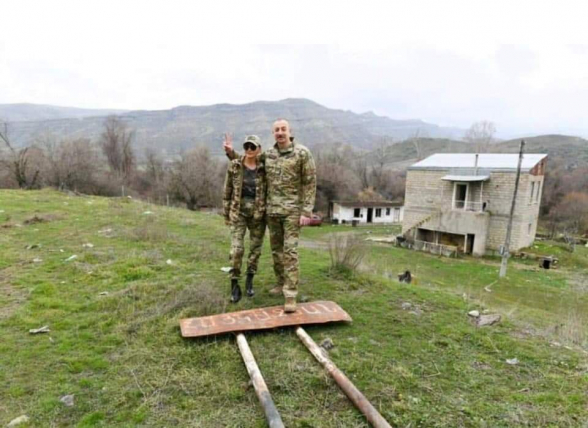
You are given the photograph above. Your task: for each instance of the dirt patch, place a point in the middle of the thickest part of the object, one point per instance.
(578, 282)
(314, 245)
(36, 219)
(10, 299)
(523, 334)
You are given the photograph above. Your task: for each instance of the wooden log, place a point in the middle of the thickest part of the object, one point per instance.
(271, 412)
(354, 394)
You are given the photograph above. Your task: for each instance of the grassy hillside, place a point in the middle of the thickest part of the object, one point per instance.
(571, 151)
(404, 154)
(411, 348)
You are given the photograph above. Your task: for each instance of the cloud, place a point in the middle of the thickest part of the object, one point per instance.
(449, 63)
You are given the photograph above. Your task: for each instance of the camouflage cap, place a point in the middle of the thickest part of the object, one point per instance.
(253, 139)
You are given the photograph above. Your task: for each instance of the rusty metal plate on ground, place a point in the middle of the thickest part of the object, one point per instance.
(263, 318)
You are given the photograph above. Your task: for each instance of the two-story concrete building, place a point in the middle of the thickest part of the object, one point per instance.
(463, 201)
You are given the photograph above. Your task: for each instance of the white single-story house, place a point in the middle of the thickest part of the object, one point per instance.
(376, 212)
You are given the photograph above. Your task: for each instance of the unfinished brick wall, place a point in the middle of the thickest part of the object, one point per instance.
(500, 191)
(427, 193)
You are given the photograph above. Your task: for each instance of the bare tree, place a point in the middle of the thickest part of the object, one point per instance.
(20, 163)
(416, 140)
(154, 182)
(196, 179)
(154, 166)
(369, 194)
(394, 184)
(481, 134)
(361, 168)
(70, 164)
(571, 216)
(375, 176)
(335, 175)
(379, 159)
(116, 144)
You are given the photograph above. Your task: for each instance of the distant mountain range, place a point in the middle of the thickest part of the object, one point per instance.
(182, 127)
(571, 152)
(40, 112)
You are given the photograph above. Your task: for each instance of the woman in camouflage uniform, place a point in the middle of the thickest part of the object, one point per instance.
(244, 208)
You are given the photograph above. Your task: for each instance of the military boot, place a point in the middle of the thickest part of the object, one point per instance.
(290, 305)
(249, 285)
(235, 290)
(276, 291)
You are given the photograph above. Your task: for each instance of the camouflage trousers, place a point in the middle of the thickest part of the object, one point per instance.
(239, 227)
(284, 233)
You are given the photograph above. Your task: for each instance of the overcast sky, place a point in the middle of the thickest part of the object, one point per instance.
(521, 64)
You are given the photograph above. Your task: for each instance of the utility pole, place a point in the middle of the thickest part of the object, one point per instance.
(506, 247)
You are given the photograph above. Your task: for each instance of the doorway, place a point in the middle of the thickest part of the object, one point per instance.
(460, 196)
(370, 214)
(470, 244)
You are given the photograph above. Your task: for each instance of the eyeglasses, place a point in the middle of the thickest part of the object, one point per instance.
(251, 147)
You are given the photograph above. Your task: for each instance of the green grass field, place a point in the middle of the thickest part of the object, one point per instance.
(122, 356)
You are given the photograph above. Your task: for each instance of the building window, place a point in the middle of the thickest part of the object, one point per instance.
(538, 192)
(356, 212)
(530, 227)
(378, 212)
(532, 192)
(387, 211)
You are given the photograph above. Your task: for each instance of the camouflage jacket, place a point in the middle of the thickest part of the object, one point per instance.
(291, 179)
(234, 185)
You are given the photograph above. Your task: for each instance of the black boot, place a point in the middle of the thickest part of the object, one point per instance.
(235, 291)
(249, 285)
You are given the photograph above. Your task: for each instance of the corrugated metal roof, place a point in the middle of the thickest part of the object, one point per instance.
(485, 160)
(466, 178)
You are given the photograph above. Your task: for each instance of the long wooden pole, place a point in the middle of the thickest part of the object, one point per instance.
(271, 412)
(354, 394)
(506, 248)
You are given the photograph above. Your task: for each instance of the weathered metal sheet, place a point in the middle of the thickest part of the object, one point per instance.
(263, 318)
(489, 161)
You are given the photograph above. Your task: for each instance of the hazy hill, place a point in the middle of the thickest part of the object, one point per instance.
(571, 151)
(182, 127)
(40, 112)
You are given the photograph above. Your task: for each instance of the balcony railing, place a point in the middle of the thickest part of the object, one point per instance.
(472, 206)
(431, 247)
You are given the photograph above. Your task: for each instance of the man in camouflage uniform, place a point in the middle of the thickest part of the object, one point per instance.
(244, 202)
(291, 191)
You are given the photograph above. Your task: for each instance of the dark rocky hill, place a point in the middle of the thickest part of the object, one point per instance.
(182, 127)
